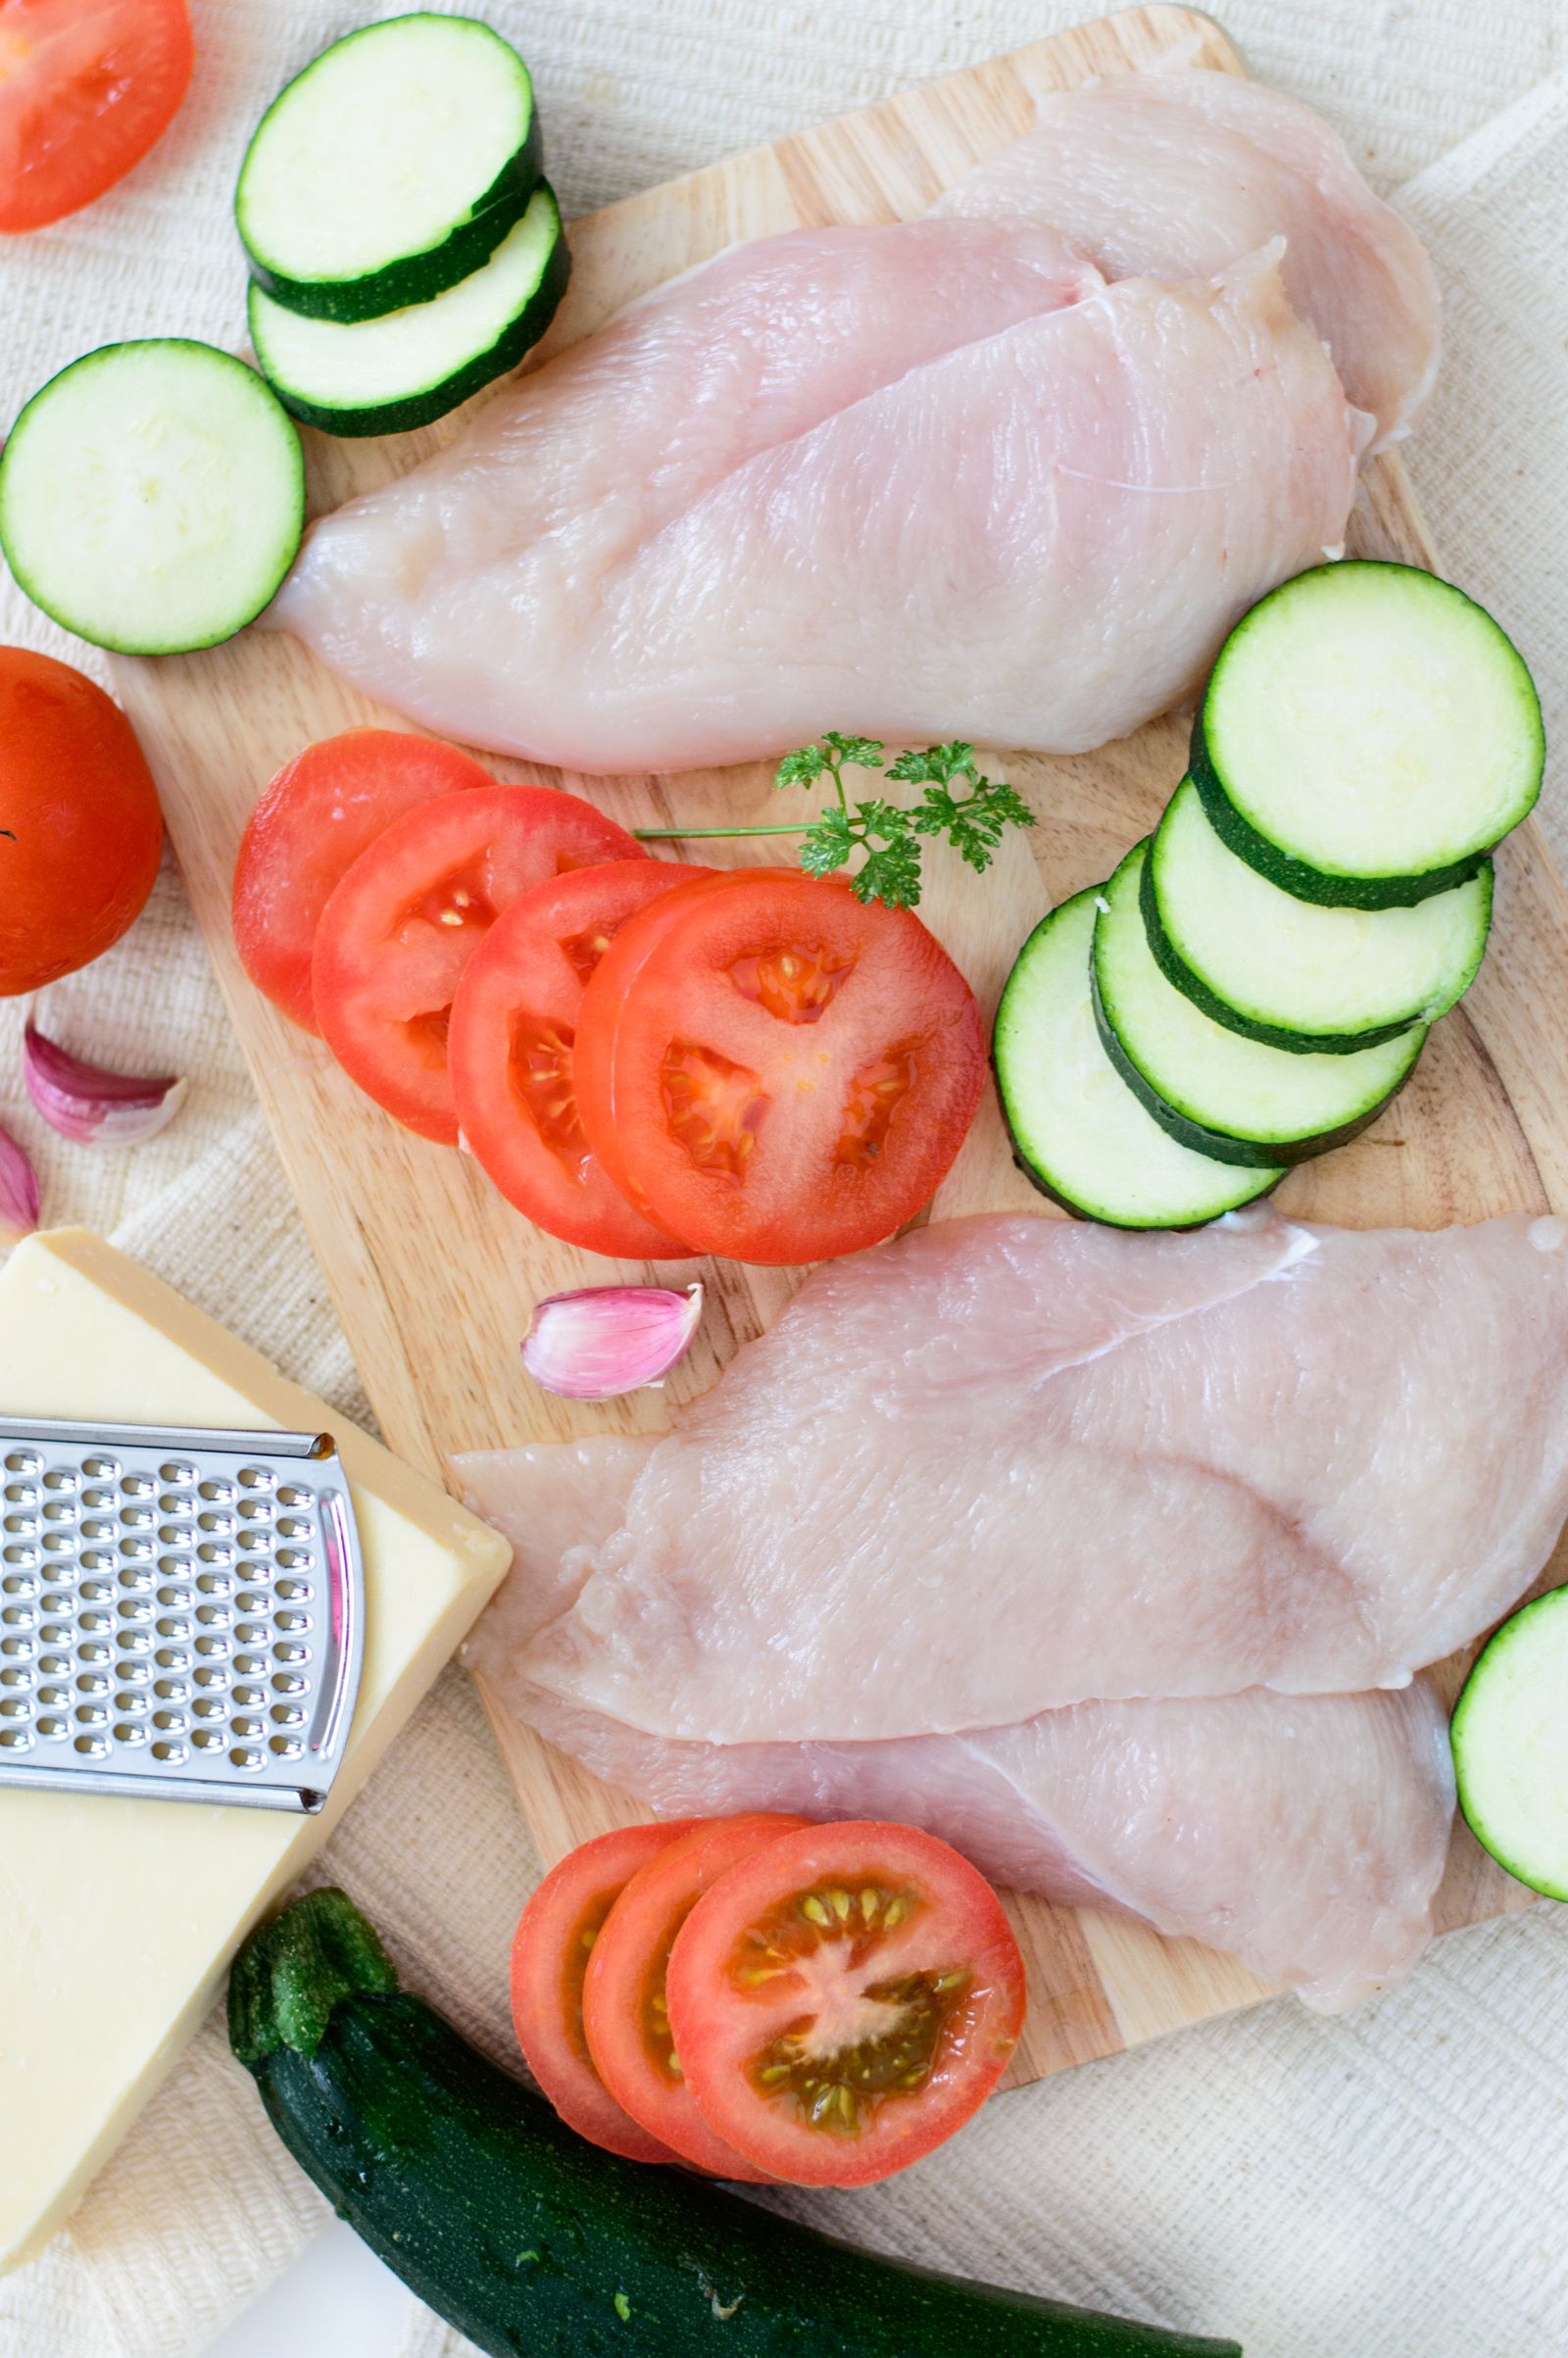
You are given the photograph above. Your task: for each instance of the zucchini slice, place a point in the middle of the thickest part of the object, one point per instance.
(1078, 1131)
(529, 2240)
(387, 376)
(1510, 1746)
(1366, 736)
(390, 168)
(1238, 1100)
(1294, 974)
(152, 496)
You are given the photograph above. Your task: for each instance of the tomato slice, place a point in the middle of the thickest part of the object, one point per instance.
(623, 962)
(513, 1047)
(790, 1074)
(321, 811)
(399, 929)
(550, 1954)
(625, 2012)
(843, 2000)
(86, 88)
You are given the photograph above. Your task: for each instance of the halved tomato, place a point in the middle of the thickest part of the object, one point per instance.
(511, 1052)
(399, 929)
(555, 1940)
(625, 2009)
(321, 811)
(843, 2000)
(86, 88)
(787, 1074)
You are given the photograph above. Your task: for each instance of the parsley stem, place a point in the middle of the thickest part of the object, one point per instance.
(703, 834)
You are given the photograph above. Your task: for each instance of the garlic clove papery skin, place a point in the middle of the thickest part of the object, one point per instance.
(20, 1201)
(91, 1105)
(603, 1340)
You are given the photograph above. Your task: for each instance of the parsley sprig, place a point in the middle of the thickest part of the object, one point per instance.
(887, 836)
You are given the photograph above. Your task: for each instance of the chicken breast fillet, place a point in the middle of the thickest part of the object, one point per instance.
(1174, 174)
(1306, 1835)
(1009, 1464)
(1036, 535)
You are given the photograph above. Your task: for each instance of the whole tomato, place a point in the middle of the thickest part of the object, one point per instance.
(80, 831)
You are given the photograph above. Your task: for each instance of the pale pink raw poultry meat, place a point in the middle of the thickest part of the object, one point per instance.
(1009, 1464)
(1037, 536)
(1306, 1834)
(1174, 174)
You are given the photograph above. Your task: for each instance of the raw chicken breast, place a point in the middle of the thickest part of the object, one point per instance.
(1035, 537)
(1173, 175)
(1007, 1464)
(1304, 1834)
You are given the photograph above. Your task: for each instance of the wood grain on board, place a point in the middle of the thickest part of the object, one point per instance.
(434, 1276)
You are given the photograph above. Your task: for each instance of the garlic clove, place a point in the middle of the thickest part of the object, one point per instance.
(91, 1105)
(20, 1198)
(602, 1341)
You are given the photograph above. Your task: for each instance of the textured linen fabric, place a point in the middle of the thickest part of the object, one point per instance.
(1390, 2186)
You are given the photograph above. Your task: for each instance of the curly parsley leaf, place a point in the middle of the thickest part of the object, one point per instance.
(887, 834)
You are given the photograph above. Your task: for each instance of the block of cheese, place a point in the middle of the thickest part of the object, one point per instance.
(118, 1917)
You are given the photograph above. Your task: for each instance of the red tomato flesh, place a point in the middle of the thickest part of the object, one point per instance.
(550, 1954)
(625, 2007)
(623, 962)
(511, 1054)
(790, 1074)
(399, 929)
(86, 88)
(843, 2000)
(321, 811)
(80, 832)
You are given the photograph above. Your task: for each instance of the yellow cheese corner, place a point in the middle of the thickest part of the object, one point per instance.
(118, 1917)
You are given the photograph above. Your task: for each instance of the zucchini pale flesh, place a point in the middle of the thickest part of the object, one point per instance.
(534, 2243)
(1078, 1130)
(1294, 974)
(390, 168)
(1366, 736)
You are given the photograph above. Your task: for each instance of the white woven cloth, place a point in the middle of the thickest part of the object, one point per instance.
(1388, 2186)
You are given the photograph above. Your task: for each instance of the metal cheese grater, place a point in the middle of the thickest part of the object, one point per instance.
(181, 1613)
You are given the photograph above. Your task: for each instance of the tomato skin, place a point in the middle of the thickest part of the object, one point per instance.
(789, 1075)
(549, 1958)
(87, 87)
(529, 972)
(624, 1981)
(724, 2019)
(309, 826)
(398, 928)
(80, 831)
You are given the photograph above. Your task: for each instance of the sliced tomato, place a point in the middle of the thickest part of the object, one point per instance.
(843, 2000)
(787, 1074)
(399, 929)
(321, 811)
(511, 1052)
(623, 962)
(624, 2009)
(550, 1955)
(86, 88)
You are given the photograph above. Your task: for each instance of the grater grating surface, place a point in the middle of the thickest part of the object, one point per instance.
(181, 1613)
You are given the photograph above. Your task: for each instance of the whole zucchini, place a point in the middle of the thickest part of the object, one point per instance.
(534, 2243)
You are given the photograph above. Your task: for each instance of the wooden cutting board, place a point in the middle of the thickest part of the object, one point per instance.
(434, 1276)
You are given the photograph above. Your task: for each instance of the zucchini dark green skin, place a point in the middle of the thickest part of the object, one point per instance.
(1249, 1154)
(419, 278)
(1293, 876)
(1176, 970)
(534, 2243)
(520, 337)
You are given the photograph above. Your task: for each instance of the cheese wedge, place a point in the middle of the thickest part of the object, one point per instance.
(118, 1917)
